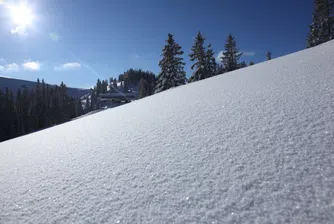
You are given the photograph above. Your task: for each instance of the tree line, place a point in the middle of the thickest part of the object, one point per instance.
(204, 65)
(35, 109)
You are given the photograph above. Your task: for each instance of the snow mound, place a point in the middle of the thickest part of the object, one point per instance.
(251, 146)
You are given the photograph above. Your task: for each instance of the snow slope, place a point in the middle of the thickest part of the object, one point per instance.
(251, 146)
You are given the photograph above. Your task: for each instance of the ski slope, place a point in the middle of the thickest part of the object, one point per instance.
(251, 146)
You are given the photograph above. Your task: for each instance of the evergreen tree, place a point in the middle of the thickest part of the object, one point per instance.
(126, 86)
(11, 115)
(211, 63)
(19, 112)
(313, 36)
(251, 63)
(87, 106)
(26, 104)
(268, 55)
(78, 108)
(93, 101)
(105, 87)
(242, 65)
(102, 87)
(65, 106)
(220, 69)
(98, 87)
(33, 118)
(198, 56)
(205, 63)
(231, 55)
(143, 88)
(7, 116)
(115, 83)
(172, 72)
(320, 29)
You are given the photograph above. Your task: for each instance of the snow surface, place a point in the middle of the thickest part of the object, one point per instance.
(251, 146)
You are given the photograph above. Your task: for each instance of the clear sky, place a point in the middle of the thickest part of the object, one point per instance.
(78, 41)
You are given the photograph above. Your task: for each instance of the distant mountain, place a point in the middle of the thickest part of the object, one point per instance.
(14, 84)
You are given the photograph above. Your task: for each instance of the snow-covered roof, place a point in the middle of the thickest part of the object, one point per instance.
(253, 146)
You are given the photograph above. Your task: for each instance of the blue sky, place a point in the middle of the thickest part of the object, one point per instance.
(79, 41)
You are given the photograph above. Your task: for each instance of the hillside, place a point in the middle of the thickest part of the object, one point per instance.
(14, 84)
(251, 146)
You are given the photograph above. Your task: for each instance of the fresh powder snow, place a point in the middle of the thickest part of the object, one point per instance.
(251, 146)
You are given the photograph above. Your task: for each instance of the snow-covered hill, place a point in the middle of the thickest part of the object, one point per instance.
(251, 146)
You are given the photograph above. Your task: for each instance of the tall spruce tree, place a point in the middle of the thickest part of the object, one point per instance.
(321, 30)
(198, 56)
(205, 63)
(231, 55)
(211, 62)
(172, 72)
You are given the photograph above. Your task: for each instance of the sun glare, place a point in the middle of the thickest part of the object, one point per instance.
(21, 15)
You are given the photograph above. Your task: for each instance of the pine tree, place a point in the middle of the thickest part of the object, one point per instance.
(106, 86)
(98, 87)
(78, 108)
(242, 65)
(115, 83)
(87, 106)
(205, 63)
(26, 102)
(172, 72)
(220, 69)
(126, 85)
(19, 112)
(12, 124)
(102, 87)
(93, 101)
(64, 104)
(211, 63)
(268, 56)
(143, 88)
(313, 36)
(198, 56)
(231, 55)
(320, 30)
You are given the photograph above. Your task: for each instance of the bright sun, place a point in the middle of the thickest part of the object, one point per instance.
(21, 15)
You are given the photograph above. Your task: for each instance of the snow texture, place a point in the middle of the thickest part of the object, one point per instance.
(250, 146)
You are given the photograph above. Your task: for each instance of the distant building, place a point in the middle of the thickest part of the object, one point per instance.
(115, 99)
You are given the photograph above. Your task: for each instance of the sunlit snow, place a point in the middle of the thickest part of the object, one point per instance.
(251, 146)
